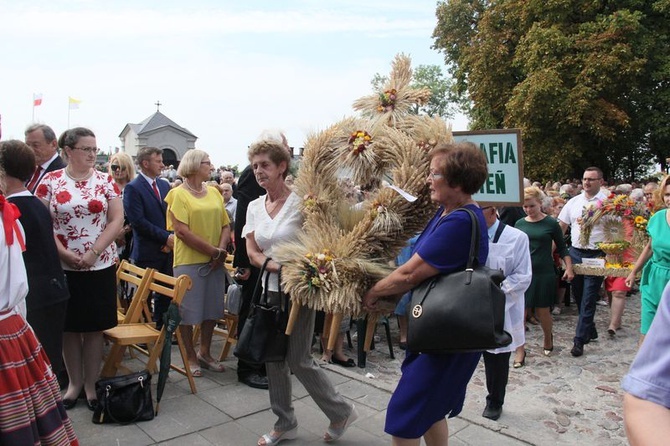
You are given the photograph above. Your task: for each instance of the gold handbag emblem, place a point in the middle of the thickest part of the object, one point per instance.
(417, 311)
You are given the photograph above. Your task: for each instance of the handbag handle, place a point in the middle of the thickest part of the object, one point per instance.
(263, 294)
(474, 239)
(108, 410)
(257, 295)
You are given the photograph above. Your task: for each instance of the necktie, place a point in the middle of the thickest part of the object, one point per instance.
(33, 181)
(156, 190)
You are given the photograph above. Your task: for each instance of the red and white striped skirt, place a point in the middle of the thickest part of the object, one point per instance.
(31, 409)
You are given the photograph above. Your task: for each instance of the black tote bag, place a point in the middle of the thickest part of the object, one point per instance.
(263, 337)
(463, 311)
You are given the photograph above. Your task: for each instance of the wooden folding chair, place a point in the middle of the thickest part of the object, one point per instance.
(129, 274)
(125, 335)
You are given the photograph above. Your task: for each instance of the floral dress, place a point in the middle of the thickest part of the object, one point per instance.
(79, 210)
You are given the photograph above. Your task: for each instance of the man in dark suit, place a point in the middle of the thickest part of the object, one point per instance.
(145, 208)
(42, 139)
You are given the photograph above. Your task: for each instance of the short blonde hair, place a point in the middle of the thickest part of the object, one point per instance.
(190, 163)
(125, 161)
(533, 192)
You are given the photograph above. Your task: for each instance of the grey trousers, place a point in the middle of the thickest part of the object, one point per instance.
(300, 361)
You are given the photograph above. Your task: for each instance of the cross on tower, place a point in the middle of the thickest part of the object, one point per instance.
(158, 105)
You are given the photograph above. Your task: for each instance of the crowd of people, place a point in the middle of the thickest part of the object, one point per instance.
(78, 221)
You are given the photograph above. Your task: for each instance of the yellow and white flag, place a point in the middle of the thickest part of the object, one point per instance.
(74, 103)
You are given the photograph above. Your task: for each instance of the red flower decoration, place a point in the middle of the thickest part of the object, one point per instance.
(57, 173)
(41, 191)
(95, 206)
(116, 189)
(63, 197)
(63, 240)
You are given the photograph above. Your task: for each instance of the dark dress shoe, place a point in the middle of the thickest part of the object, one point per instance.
(492, 413)
(577, 349)
(69, 404)
(593, 336)
(256, 381)
(343, 363)
(92, 405)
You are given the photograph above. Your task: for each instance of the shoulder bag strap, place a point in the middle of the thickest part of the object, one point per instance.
(501, 227)
(474, 239)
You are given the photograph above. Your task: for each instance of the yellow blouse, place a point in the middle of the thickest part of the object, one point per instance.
(204, 216)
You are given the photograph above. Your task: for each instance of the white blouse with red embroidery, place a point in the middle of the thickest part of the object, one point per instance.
(79, 210)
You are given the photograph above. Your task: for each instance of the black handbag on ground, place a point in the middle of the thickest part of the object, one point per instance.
(263, 337)
(463, 311)
(124, 399)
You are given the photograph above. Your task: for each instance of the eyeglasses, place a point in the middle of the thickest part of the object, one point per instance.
(116, 167)
(591, 179)
(92, 150)
(209, 163)
(435, 176)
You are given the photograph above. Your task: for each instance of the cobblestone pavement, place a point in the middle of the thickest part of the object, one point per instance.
(552, 400)
(558, 400)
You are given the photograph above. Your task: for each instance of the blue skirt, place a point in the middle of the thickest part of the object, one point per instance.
(431, 388)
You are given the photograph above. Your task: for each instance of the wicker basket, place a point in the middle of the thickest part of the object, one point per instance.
(600, 271)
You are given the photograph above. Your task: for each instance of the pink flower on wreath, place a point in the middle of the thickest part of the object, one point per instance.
(63, 197)
(95, 206)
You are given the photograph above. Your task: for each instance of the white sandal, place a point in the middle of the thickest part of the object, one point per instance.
(334, 433)
(270, 440)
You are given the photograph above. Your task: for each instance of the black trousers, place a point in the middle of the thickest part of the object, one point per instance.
(245, 368)
(496, 367)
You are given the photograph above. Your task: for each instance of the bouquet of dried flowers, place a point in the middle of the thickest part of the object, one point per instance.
(612, 213)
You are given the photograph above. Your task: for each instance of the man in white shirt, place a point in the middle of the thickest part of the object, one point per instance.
(585, 288)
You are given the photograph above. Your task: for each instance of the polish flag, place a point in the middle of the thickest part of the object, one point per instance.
(37, 99)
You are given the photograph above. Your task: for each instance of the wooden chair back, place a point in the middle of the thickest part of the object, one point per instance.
(128, 274)
(125, 335)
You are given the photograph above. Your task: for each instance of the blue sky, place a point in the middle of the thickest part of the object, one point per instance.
(225, 70)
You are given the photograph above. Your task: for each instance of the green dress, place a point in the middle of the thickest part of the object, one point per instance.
(542, 290)
(656, 272)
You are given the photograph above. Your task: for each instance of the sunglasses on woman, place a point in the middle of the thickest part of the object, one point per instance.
(116, 167)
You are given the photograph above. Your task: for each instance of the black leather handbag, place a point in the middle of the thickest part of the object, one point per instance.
(463, 311)
(124, 399)
(263, 337)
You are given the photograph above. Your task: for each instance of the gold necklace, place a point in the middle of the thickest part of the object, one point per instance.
(276, 203)
(197, 192)
(69, 173)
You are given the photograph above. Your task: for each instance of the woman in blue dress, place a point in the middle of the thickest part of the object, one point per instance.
(432, 386)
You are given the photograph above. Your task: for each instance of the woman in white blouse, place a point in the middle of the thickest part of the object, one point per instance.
(271, 219)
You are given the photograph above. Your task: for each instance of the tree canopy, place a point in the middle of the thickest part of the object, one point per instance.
(585, 80)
